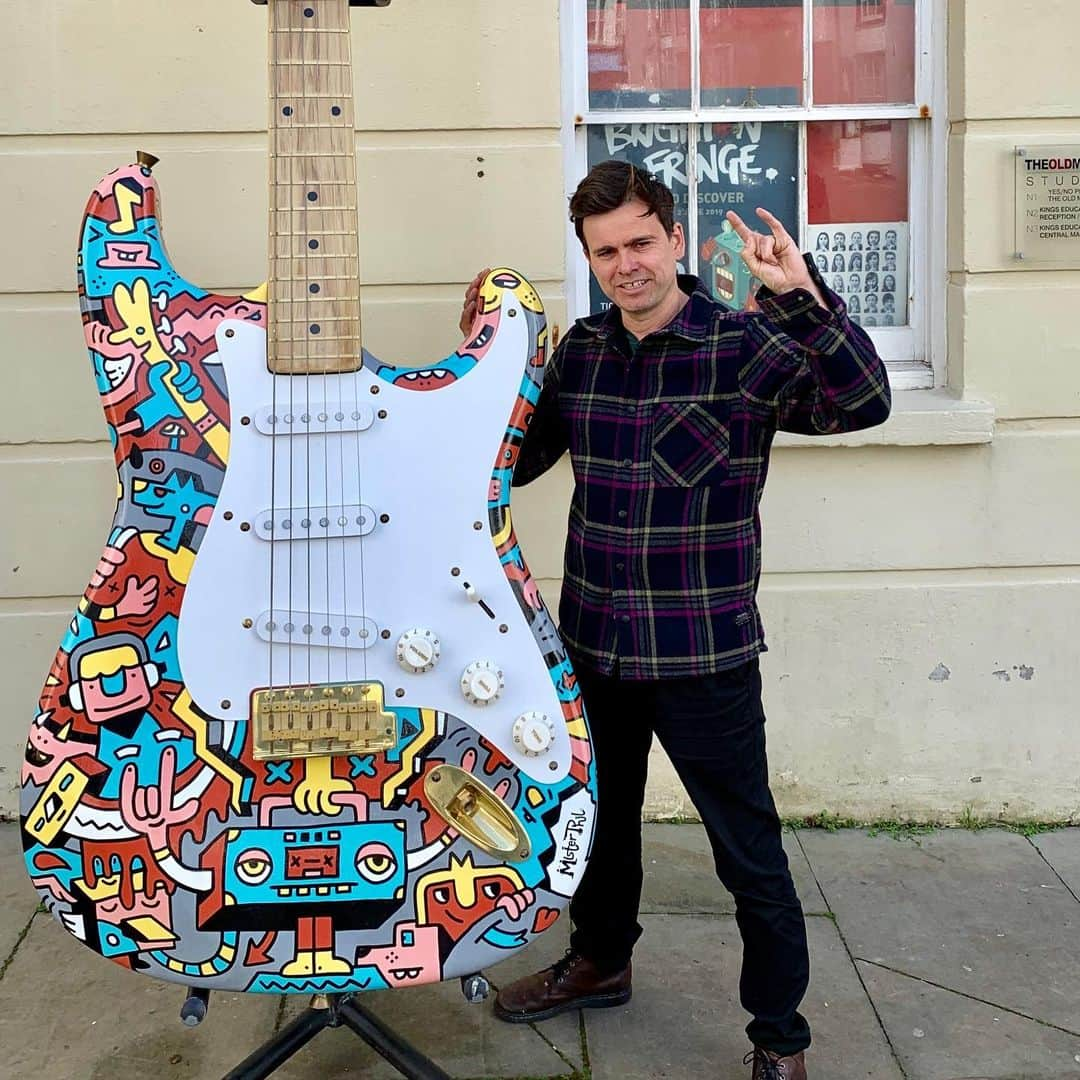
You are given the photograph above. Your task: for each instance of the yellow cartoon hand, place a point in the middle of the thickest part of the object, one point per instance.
(315, 793)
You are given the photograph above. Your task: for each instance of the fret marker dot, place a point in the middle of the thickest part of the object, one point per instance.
(313, 196)
(309, 13)
(287, 111)
(313, 244)
(314, 328)
(335, 110)
(313, 288)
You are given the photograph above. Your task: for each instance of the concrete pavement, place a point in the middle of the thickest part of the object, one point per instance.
(948, 956)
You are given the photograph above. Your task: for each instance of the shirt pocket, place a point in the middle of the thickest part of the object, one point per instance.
(690, 444)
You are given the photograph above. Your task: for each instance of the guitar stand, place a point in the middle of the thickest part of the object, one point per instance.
(332, 1010)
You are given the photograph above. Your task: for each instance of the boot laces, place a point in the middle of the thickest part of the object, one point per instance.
(564, 965)
(769, 1069)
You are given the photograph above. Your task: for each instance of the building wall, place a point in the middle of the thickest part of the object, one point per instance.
(919, 583)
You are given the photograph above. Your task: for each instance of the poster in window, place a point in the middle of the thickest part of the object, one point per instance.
(739, 167)
(866, 263)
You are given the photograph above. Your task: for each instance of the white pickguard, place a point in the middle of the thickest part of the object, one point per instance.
(428, 466)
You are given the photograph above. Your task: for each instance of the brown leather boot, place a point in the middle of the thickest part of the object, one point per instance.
(770, 1066)
(571, 983)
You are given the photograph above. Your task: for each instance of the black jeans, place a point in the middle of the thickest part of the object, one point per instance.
(713, 730)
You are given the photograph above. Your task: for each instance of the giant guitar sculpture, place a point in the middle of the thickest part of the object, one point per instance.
(311, 728)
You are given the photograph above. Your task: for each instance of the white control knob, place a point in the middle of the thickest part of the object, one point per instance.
(533, 733)
(481, 682)
(417, 650)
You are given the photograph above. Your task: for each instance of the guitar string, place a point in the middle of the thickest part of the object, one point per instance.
(320, 189)
(288, 541)
(351, 116)
(307, 440)
(346, 628)
(273, 290)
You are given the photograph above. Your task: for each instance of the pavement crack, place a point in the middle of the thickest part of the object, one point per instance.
(851, 957)
(555, 1050)
(970, 997)
(1053, 870)
(18, 941)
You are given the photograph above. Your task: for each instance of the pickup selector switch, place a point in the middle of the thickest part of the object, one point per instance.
(533, 733)
(482, 682)
(417, 650)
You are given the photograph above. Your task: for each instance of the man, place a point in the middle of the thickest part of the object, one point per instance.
(668, 403)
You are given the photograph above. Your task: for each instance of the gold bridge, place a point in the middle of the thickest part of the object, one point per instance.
(312, 721)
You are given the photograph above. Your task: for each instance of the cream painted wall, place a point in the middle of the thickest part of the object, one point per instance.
(919, 600)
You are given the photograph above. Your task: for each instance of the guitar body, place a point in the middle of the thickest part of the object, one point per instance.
(311, 728)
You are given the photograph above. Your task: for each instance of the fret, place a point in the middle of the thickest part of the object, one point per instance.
(306, 30)
(321, 277)
(293, 319)
(307, 339)
(318, 298)
(293, 79)
(316, 154)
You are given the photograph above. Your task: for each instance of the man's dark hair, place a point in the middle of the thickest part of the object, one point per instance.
(610, 185)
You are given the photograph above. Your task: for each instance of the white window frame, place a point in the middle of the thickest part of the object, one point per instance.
(915, 354)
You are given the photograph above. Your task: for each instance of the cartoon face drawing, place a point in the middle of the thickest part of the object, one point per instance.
(111, 677)
(458, 898)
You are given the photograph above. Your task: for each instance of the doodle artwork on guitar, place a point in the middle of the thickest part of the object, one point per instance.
(311, 727)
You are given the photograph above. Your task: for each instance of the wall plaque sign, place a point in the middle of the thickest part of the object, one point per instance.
(1048, 206)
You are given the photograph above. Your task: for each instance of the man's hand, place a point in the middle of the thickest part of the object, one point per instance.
(468, 311)
(774, 260)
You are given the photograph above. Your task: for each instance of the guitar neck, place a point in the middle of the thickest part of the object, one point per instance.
(314, 280)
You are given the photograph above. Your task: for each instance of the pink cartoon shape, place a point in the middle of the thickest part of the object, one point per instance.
(412, 959)
(127, 255)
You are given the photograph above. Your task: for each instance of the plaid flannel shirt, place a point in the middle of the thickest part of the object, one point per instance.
(670, 448)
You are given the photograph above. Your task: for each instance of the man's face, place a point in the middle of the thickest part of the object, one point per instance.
(633, 259)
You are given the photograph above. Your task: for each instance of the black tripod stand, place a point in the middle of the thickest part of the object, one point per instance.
(330, 1011)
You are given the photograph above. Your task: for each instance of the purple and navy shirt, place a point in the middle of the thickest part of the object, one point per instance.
(669, 443)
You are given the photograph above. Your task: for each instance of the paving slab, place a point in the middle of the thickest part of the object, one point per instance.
(976, 912)
(563, 1032)
(67, 1013)
(941, 1035)
(465, 1040)
(685, 1022)
(680, 876)
(18, 900)
(1062, 851)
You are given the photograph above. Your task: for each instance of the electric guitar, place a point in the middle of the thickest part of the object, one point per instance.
(311, 728)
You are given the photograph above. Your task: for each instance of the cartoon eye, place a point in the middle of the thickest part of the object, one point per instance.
(491, 890)
(253, 867)
(376, 863)
(441, 895)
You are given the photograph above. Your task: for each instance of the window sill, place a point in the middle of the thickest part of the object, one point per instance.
(919, 418)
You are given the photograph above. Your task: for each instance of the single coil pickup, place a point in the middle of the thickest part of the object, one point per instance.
(283, 627)
(315, 522)
(319, 418)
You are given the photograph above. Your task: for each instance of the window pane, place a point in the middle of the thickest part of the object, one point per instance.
(864, 51)
(741, 167)
(858, 214)
(659, 149)
(751, 52)
(639, 54)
